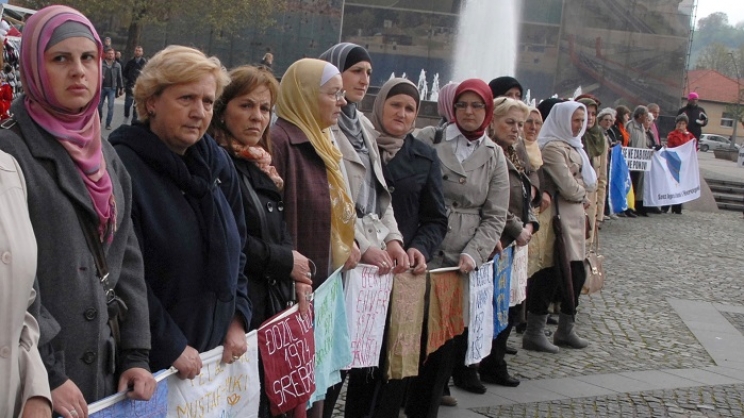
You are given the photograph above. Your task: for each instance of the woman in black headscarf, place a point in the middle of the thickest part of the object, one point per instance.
(506, 87)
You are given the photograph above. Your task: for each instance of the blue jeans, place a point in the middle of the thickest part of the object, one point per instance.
(110, 94)
(129, 104)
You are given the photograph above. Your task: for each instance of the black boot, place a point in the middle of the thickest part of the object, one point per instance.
(466, 378)
(497, 374)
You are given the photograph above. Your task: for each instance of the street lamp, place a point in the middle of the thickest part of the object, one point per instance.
(737, 116)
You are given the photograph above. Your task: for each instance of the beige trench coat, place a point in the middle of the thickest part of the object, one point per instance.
(22, 373)
(476, 197)
(365, 233)
(562, 167)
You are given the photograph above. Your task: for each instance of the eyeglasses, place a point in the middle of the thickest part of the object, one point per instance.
(338, 95)
(474, 105)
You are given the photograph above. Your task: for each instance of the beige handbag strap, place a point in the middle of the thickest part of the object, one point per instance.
(594, 246)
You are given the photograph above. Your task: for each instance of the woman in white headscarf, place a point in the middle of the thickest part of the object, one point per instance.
(568, 177)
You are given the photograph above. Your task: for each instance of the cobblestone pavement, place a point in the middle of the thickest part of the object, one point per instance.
(709, 402)
(695, 256)
(736, 319)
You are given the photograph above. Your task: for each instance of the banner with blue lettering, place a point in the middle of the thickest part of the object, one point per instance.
(480, 324)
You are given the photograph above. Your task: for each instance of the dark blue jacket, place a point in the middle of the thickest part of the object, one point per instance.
(183, 311)
(414, 178)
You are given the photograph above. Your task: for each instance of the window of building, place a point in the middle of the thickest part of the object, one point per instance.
(727, 120)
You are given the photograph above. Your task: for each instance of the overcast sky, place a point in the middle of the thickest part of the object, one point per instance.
(733, 8)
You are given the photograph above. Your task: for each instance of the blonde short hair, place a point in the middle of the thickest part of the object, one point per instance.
(172, 66)
(504, 105)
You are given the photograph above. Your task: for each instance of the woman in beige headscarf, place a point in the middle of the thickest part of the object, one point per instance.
(319, 213)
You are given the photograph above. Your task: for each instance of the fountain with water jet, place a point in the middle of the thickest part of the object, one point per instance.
(488, 35)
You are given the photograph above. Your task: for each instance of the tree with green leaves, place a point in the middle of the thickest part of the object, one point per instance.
(224, 16)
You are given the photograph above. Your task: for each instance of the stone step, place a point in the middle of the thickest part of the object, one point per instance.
(728, 198)
(731, 206)
(716, 188)
(727, 183)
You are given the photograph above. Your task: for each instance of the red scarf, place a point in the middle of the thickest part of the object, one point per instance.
(480, 88)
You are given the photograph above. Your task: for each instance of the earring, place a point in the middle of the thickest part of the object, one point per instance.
(150, 113)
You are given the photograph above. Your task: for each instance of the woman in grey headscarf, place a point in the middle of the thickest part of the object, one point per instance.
(376, 232)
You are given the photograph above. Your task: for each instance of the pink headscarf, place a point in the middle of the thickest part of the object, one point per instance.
(444, 103)
(79, 133)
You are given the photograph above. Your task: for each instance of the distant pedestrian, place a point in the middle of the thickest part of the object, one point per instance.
(131, 72)
(268, 59)
(111, 87)
(696, 115)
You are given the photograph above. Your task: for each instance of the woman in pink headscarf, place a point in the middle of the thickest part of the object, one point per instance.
(89, 264)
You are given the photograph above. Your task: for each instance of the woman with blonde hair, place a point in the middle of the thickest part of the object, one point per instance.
(188, 212)
(509, 117)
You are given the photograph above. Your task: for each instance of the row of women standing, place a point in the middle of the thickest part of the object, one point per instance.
(204, 237)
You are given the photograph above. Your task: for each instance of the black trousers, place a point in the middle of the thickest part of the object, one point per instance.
(677, 208)
(542, 286)
(426, 389)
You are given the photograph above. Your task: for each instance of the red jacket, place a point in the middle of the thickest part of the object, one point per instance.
(677, 138)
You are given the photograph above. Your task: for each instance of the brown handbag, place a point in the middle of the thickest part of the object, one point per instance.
(593, 265)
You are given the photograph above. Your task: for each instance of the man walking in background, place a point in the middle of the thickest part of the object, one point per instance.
(131, 72)
(112, 85)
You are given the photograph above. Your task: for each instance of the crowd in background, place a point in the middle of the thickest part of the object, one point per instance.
(201, 219)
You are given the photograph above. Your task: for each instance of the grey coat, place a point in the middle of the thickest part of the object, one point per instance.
(476, 197)
(76, 341)
(355, 173)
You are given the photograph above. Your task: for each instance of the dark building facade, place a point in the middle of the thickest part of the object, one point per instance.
(623, 51)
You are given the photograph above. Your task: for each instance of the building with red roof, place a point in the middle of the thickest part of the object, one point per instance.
(716, 92)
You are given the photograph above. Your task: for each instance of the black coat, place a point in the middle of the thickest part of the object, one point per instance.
(415, 182)
(183, 309)
(693, 114)
(269, 259)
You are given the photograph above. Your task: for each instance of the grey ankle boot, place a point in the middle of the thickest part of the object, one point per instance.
(534, 338)
(565, 334)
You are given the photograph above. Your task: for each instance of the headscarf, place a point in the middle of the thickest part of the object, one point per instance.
(546, 106)
(480, 88)
(445, 101)
(557, 127)
(594, 140)
(499, 86)
(344, 56)
(390, 144)
(298, 104)
(533, 150)
(79, 133)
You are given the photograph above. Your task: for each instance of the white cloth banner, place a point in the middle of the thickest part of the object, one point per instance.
(638, 159)
(518, 285)
(220, 390)
(480, 323)
(367, 300)
(674, 177)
